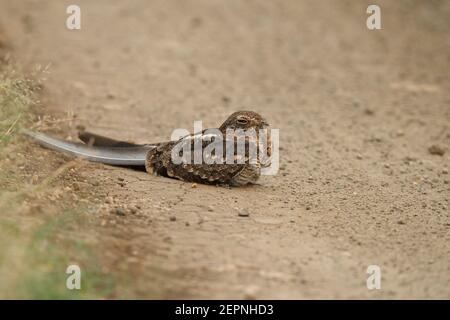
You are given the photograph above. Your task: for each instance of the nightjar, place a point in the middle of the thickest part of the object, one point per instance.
(232, 154)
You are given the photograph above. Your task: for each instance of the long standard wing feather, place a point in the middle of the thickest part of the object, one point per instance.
(121, 156)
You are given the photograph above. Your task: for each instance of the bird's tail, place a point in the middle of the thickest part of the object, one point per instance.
(100, 149)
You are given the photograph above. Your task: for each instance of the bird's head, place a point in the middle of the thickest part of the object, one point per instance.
(244, 120)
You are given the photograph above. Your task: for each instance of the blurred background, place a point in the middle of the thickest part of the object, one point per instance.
(364, 119)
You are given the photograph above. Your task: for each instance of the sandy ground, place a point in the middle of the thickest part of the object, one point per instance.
(357, 112)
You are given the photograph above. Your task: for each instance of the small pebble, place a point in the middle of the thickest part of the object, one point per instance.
(119, 211)
(436, 150)
(243, 213)
(109, 200)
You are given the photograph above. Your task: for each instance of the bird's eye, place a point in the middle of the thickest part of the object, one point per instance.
(242, 121)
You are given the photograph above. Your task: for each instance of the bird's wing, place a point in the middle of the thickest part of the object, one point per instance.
(219, 159)
(121, 156)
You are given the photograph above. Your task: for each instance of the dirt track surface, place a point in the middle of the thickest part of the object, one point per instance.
(357, 112)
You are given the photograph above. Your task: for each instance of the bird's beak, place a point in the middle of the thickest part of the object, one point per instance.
(264, 123)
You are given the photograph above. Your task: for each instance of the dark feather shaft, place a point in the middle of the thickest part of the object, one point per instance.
(93, 139)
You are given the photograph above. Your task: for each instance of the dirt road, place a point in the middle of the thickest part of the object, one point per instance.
(357, 111)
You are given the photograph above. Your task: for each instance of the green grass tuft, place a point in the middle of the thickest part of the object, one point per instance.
(17, 96)
(52, 249)
(38, 244)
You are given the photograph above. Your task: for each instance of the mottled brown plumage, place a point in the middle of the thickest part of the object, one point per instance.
(159, 160)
